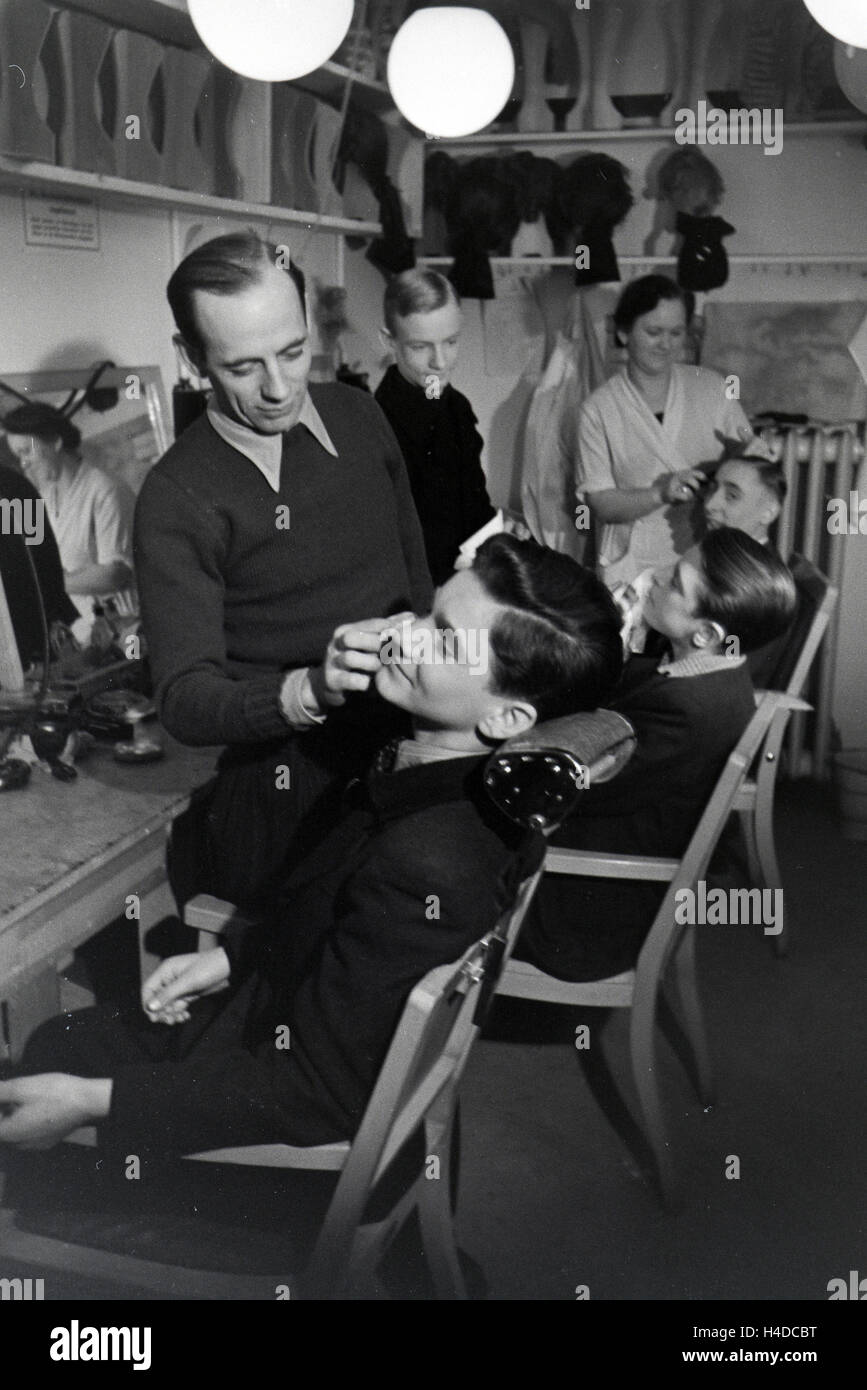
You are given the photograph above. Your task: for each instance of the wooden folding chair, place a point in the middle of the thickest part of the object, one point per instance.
(415, 1095)
(668, 943)
(754, 802)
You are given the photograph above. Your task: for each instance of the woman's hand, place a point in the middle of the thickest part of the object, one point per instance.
(167, 994)
(682, 486)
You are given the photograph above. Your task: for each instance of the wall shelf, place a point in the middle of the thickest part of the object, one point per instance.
(742, 258)
(854, 126)
(20, 174)
(174, 28)
(329, 81)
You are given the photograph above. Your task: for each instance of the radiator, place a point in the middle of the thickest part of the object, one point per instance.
(820, 462)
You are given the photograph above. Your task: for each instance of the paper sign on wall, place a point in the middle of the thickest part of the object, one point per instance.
(52, 219)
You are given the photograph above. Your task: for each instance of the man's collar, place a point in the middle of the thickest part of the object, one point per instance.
(265, 450)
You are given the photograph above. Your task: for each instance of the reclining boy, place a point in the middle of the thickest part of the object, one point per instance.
(416, 870)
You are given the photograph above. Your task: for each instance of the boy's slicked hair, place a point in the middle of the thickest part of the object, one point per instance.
(558, 646)
(770, 473)
(225, 265)
(745, 588)
(416, 291)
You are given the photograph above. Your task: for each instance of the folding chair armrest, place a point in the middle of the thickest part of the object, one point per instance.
(793, 702)
(787, 702)
(592, 864)
(210, 916)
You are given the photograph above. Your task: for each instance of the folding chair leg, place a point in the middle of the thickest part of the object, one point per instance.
(603, 1087)
(681, 1043)
(437, 1226)
(748, 830)
(693, 1017)
(769, 869)
(645, 1074)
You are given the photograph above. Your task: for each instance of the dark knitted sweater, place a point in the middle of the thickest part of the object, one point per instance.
(230, 602)
(442, 449)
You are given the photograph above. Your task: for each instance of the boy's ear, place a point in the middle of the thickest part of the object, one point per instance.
(386, 338)
(771, 511)
(191, 359)
(507, 720)
(708, 635)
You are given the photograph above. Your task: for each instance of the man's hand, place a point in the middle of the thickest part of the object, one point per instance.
(167, 994)
(38, 1111)
(351, 661)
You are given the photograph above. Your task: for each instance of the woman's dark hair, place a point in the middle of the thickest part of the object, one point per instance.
(45, 422)
(559, 644)
(226, 265)
(642, 296)
(744, 587)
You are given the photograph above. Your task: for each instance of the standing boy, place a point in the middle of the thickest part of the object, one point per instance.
(434, 423)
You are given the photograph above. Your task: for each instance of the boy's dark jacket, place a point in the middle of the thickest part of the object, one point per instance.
(442, 449)
(419, 869)
(590, 928)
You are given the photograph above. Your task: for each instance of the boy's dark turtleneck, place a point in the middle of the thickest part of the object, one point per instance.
(442, 449)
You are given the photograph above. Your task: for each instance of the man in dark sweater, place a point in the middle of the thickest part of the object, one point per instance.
(727, 596)
(271, 543)
(434, 423)
(419, 867)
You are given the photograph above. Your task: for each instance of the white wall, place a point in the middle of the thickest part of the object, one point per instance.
(67, 308)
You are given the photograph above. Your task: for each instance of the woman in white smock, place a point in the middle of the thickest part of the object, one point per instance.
(643, 435)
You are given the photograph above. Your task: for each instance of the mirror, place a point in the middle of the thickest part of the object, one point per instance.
(123, 441)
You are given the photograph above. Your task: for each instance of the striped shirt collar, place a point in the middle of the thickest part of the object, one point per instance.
(699, 664)
(265, 450)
